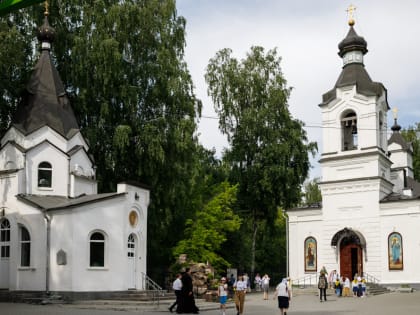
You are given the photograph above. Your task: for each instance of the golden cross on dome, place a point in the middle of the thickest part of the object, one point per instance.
(46, 8)
(395, 112)
(350, 12)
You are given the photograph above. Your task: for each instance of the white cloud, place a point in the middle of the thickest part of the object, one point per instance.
(306, 34)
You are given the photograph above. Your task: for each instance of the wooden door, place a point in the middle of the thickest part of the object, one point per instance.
(351, 261)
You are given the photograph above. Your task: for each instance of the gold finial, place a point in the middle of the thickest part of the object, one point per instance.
(350, 12)
(46, 13)
(395, 112)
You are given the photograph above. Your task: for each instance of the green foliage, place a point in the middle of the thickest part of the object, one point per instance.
(312, 193)
(122, 63)
(412, 135)
(208, 230)
(268, 154)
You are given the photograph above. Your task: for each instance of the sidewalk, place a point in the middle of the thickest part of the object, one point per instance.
(394, 303)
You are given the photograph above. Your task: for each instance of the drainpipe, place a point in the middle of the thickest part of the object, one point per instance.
(286, 217)
(47, 265)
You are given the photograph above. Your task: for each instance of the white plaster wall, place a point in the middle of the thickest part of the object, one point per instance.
(60, 170)
(77, 139)
(355, 167)
(71, 230)
(404, 218)
(81, 185)
(11, 154)
(365, 109)
(32, 277)
(81, 159)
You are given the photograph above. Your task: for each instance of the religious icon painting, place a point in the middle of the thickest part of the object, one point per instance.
(310, 254)
(395, 251)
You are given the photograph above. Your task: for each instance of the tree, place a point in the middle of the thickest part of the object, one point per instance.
(268, 152)
(207, 231)
(412, 135)
(312, 193)
(123, 68)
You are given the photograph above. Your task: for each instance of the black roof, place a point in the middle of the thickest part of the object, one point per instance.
(352, 42)
(45, 102)
(60, 202)
(354, 73)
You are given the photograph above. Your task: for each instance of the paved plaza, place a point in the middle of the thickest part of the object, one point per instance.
(308, 304)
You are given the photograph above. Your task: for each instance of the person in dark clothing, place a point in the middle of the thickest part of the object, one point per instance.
(187, 302)
(322, 286)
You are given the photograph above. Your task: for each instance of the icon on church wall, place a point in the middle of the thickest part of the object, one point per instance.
(310, 254)
(395, 251)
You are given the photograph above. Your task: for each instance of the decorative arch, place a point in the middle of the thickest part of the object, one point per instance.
(349, 132)
(353, 235)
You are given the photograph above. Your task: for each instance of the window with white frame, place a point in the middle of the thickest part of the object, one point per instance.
(97, 250)
(4, 239)
(25, 247)
(131, 246)
(44, 175)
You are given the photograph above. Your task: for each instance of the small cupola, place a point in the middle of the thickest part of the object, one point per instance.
(46, 33)
(353, 47)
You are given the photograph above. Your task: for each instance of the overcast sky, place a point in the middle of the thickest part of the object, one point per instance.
(306, 34)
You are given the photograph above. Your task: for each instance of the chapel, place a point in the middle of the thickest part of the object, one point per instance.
(57, 234)
(369, 218)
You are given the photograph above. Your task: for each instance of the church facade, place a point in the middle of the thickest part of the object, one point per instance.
(56, 232)
(370, 214)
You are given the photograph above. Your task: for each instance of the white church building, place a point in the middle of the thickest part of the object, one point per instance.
(369, 219)
(56, 232)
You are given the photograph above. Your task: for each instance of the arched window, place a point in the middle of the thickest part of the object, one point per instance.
(349, 131)
(97, 250)
(44, 174)
(131, 246)
(25, 247)
(4, 239)
(381, 131)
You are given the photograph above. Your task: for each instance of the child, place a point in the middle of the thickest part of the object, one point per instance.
(222, 294)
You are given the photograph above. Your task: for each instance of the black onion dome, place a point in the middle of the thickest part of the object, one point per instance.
(46, 33)
(352, 42)
(395, 127)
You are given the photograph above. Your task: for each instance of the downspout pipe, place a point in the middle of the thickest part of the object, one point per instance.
(286, 217)
(48, 250)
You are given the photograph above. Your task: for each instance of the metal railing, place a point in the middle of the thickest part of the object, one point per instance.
(306, 281)
(312, 280)
(371, 279)
(152, 287)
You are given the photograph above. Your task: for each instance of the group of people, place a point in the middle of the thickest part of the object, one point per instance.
(185, 302)
(183, 288)
(342, 285)
(282, 293)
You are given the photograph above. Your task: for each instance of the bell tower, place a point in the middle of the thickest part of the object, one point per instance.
(354, 116)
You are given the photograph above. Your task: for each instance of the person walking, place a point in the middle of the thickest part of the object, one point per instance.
(187, 296)
(240, 291)
(257, 282)
(283, 296)
(222, 294)
(266, 285)
(176, 286)
(322, 286)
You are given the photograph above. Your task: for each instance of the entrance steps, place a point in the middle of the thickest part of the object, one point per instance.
(372, 289)
(376, 289)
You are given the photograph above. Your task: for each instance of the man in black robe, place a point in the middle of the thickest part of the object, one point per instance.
(187, 296)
